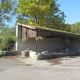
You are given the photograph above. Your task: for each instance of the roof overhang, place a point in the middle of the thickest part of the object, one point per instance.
(55, 32)
(47, 32)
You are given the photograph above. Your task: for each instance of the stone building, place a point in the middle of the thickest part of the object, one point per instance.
(53, 40)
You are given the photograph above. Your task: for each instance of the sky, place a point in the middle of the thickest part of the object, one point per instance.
(71, 9)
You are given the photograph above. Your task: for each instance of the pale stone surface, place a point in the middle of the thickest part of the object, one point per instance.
(23, 54)
(37, 57)
(32, 53)
(34, 62)
(27, 52)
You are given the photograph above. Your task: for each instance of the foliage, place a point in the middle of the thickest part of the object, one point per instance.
(7, 53)
(24, 39)
(39, 38)
(6, 31)
(65, 27)
(2, 53)
(7, 42)
(5, 7)
(74, 28)
(6, 11)
(77, 27)
(2, 29)
(7, 38)
(44, 13)
(40, 12)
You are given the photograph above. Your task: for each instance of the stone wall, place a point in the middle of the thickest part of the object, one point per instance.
(74, 44)
(47, 44)
(8, 53)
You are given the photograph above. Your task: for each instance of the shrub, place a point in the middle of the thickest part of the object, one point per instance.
(39, 38)
(7, 42)
(2, 53)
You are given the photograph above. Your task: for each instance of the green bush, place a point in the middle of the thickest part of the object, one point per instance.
(2, 53)
(7, 42)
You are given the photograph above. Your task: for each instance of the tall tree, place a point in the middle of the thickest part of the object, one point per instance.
(5, 8)
(6, 11)
(40, 12)
(77, 27)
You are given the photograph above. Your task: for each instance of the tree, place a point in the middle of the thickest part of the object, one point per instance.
(5, 8)
(7, 38)
(2, 29)
(65, 27)
(40, 12)
(7, 35)
(76, 28)
(72, 28)
(6, 11)
(9, 31)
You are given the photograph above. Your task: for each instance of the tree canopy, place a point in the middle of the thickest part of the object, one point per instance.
(6, 11)
(7, 38)
(75, 27)
(5, 8)
(40, 12)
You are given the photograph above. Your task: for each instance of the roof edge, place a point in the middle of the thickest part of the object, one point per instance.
(49, 29)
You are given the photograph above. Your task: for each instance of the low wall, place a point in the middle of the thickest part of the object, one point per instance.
(8, 53)
(58, 55)
(47, 55)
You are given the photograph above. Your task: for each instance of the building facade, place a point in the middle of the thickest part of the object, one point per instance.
(53, 40)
